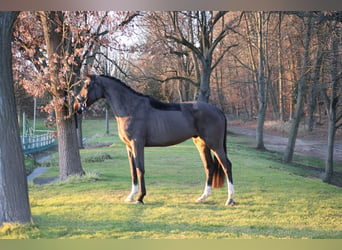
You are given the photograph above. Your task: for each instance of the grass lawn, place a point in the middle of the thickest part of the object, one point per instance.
(274, 200)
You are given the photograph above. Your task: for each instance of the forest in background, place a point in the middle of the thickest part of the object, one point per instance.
(157, 54)
(262, 65)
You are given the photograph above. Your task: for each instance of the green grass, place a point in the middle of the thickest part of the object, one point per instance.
(274, 200)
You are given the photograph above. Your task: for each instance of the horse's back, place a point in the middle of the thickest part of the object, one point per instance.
(207, 119)
(206, 113)
(193, 119)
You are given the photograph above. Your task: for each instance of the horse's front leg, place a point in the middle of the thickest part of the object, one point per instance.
(138, 157)
(135, 187)
(141, 173)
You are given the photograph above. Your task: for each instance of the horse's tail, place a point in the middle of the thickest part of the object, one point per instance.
(219, 175)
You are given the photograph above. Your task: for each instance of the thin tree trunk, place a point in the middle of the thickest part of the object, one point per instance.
(107, 119)
(331, 104)
(292, 68)
(273, 99)
(329, 163)
(254, 81)
(219, 88)
(269, 88)
(79, 131)
(14, 202)
(288, 155)
(261, 90)
(313, 88)
(251, 100)
(280, 74)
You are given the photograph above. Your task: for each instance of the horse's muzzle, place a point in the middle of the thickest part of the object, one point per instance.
(79, 107)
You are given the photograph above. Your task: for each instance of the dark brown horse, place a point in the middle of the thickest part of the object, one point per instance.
(146, 122)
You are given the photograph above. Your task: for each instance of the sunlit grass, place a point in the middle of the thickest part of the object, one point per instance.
(272, 200)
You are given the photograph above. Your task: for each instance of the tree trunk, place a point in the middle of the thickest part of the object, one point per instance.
(79, 131)
(329, 163)
(280, 74)
(254, 78)
(14, 202)
(220, 96)
(261, 90)
(78, 117)
(273, 99)
(69, 155)
(313, 88)
(107, 120)
(288, 155)
(204, 89)
(202, 33)
(251, 100)
(332, 104)
(292, 66)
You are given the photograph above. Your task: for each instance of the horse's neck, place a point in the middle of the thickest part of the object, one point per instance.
(122, 101)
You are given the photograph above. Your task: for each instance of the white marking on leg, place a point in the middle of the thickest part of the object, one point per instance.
(231, 192)
(134, 190)
(206, 193)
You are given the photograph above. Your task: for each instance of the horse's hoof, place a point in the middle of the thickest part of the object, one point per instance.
(129, 199)
(139, 203)
(200, 200)
(231, 202)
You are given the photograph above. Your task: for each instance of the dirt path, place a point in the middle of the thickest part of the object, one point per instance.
(314, 148)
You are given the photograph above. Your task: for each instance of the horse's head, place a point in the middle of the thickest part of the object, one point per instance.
(90, 93)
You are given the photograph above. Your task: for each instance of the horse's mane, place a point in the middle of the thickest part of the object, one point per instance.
(154, 102)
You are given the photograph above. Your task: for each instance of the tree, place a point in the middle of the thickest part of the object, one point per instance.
(313, 91)
(262, 91)
(333, 98)
(14, 202)
(201, 40)
(256, 38)
(55, 34)
(280, 72)
(288, 154)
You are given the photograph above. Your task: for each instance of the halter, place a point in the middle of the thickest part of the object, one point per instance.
(83, 100)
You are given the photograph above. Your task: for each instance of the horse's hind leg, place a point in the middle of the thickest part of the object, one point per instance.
(227, 168)
(208, 166)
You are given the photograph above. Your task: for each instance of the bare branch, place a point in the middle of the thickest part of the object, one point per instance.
(129, 18)
(182, 40)
(216, 18)
(96, 35)
(242, 63)
(113, 62)
(222, 55)
(196, 84)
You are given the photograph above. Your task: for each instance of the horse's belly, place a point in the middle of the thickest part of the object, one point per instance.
(169, 132)
(163, 141)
